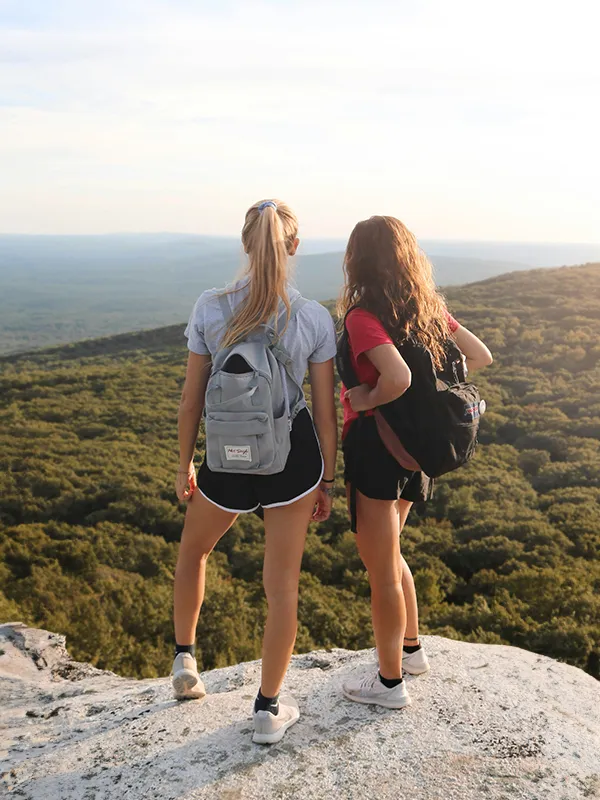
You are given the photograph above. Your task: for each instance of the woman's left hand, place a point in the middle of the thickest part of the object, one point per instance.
(360, 397)
(323, 504)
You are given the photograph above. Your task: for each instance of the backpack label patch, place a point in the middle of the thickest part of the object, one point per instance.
(473, 411)
(235, 452)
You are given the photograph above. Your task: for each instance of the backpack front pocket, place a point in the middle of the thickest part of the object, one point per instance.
(238, 441)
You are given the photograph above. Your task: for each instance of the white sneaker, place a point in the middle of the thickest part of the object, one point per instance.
(270, 728)
(415, 663)
(186, 681)
(371, 690)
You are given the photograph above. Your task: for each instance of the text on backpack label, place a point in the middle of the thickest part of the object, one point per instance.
(238, 452)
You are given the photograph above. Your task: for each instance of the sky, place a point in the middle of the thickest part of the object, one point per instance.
(466, 119)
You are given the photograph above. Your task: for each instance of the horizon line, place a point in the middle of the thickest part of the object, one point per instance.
(108, 234)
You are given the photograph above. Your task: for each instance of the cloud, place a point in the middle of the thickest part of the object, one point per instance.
(192, 99)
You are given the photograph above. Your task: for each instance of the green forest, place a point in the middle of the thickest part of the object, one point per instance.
(508, 551)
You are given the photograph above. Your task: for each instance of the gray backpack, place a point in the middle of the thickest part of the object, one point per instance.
(248, 409)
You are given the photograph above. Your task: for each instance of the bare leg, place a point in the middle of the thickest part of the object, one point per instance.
(285, 532)
(204, 525)
(378, 540)
(411, 636)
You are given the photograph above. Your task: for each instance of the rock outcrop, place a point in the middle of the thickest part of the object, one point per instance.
(487, 722)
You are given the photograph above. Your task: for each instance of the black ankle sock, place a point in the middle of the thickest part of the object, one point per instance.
(411, 648)
(185, 648)
(263, 703)
(390, 682)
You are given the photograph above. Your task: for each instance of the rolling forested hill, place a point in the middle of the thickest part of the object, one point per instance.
(60, 289)
(508, 550)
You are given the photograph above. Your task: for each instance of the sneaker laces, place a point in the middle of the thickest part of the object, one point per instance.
(369, 682)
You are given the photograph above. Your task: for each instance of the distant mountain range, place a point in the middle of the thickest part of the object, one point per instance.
(57, 289)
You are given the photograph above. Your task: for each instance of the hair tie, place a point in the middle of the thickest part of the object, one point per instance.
(266, 204)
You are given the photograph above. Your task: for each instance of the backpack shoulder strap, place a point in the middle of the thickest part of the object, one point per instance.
(225, 307)
(295, 307)
(276, 347)
(343, 358)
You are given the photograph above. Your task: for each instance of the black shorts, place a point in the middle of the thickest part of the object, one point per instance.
(369, 466)
(243, 493)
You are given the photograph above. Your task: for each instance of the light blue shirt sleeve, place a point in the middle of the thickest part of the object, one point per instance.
(194, 330)
(326, 340)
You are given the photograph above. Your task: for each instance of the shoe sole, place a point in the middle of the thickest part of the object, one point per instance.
(188, 686)
(372, 702)
(273, 738)
(416, 671)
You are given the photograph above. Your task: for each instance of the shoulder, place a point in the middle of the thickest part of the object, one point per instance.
(361, 313)
(319, 325)
(214, 293)
(359, 319)
(208, 302)
(206, 297)
(197, 317)
(318, 330)
(365, 331)
(313, 310)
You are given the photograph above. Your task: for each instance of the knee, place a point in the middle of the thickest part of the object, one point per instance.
(280, 593)
(383, 564)
(383, 579)
(192, 556)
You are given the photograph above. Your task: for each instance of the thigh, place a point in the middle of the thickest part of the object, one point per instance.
(285, 533)
(404, 507)
(378, 537)
(205, 523)
(368, 464)
(303, 469)
(232, 492)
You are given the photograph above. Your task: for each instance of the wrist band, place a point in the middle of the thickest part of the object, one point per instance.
(324, 480)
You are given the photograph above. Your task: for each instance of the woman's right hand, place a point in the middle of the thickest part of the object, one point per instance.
(360, 397)
(185, 483)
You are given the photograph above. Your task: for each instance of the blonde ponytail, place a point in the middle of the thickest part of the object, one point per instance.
(268, 236)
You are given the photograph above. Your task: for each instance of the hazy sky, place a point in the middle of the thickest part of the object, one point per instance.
(464, 118)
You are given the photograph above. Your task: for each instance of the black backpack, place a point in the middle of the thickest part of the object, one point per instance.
(433, 426)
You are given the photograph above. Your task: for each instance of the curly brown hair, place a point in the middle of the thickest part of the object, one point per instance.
(389, 275)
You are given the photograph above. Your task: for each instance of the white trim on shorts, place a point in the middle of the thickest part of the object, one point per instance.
(300, 496)
(308, 491)
(275, 505)
(230, 510)
(271, 505)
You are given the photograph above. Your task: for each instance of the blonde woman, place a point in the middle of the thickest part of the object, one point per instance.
(389, 295)
(288, 499)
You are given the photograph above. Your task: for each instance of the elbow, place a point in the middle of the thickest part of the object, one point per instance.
(190, 405)
(325, 419)
(484, 360)
(488, 359)
(401, 383)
